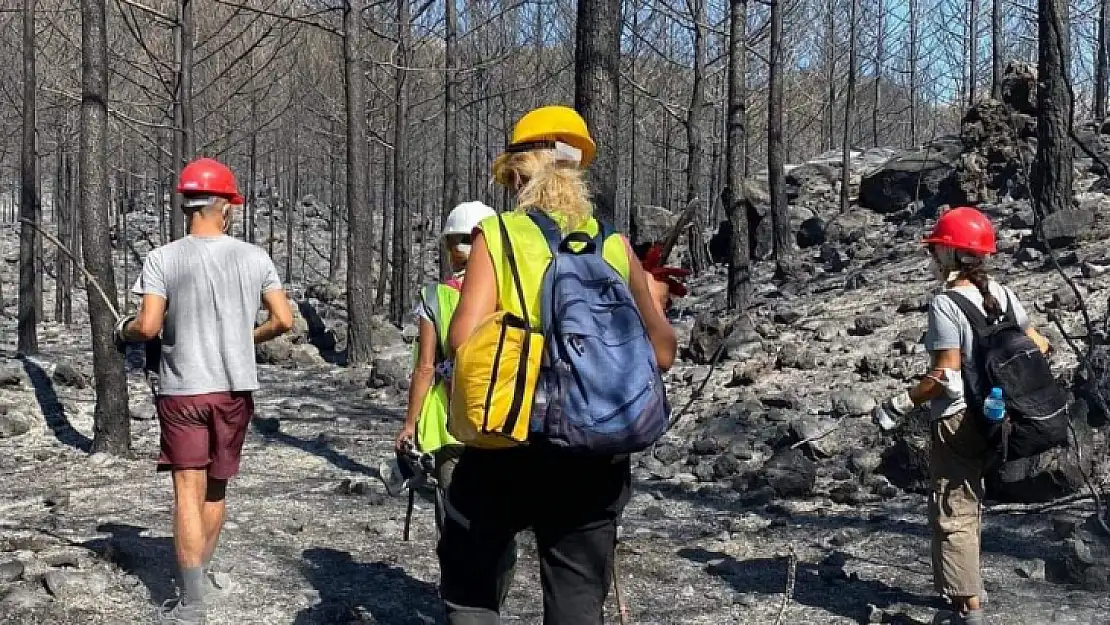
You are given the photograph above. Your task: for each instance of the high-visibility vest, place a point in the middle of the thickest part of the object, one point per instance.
(439, 302)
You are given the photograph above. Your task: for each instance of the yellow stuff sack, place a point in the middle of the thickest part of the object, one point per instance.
(495, 376)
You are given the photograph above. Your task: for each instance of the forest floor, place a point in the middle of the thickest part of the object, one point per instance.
(301, 549)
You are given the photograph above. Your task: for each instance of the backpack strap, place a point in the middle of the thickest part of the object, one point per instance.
(974, 316)
(511, 258)
(558, 243)
(1009, 315)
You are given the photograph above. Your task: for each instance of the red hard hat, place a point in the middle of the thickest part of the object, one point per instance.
(207, 176)
(964, 229)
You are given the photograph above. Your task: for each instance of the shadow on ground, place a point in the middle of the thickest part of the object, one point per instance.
(148, 558)
(53, 412)
(270, 431)
(824, 586)
(365, 592)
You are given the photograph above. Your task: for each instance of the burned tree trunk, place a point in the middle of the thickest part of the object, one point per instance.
(360, 227)
(694, 123)
(776, 176)
(597, 94)
(849, 109)
(30, 310)
(1052, 168)
(450, 124)
(111, 421)
(735, 197)
(1102, 63)
(402, 214)
(997, 26)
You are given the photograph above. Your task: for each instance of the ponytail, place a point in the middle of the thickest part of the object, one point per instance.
(542, 183)
(975, 273)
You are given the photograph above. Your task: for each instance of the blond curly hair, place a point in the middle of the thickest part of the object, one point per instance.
(543, 183)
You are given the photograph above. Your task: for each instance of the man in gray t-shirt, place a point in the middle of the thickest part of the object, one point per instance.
(202, 294)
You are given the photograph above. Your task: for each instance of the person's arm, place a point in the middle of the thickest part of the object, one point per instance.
(280, 320)
(147, 324)
(423, 376)
(930, 387)
(651, 303)
(479, 294)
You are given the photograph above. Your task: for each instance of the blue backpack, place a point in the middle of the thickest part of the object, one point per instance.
(600, 391)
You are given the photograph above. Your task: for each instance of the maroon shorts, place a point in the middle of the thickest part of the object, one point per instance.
(204, 431)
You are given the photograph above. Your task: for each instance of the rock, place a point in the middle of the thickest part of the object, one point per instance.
(914, 304)
(818, 432)
(1065, 227)
(24, 598)
(906, 462)
(834, 258)
(68, 583)
(745, 374)
(852, 403)
(386, 335)
(704, 472)
(714, 331)
(654, 513)
(668, 453)
(793, 356)
(1091, 270)
(1032, 569)
(811, 233)
(707, 446)
(926, 173)
(827, 332)
(864, 461)
(1029, 255)
(267, 426)
(275, 352)
(66, 374)
(811, 179)
(726, 466)
(867, 324)
(786, 315)
(393, 371)
(847, 494)
(11, 571)
(788, 473)
(1019, 87)
(326, 292)
(1097, 579)
(142, 411)
(1064, 299)
(12, 375)
(306, 355)
(13, 425)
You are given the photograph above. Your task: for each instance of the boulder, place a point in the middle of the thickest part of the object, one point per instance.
(384, 334)
(66, 374)
(306, 355)
(811, 180)
(788, 473)
(713, 331)
(1019, 87)
(327, 292)
(275, 352)
(811, 233)
(926, 173)
(906, 462)
(392, 371)
(852, 403)
(1064, 228)
(71, 584)
(12, 375)
(12, 425)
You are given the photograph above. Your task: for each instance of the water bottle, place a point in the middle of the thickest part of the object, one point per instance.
(994, 408)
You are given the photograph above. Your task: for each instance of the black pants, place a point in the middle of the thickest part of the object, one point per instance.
(572, 505)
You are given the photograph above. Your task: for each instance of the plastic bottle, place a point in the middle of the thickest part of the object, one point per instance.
(994, 408)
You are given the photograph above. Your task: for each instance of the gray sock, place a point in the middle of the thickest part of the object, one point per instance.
(192, 584)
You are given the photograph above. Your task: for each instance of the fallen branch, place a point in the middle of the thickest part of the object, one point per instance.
(88, 275)
(622, 608)
(791, 576)
(817, 437)
(684, 220)
(701, 387)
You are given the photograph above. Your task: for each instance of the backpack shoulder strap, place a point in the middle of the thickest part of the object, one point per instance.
(974, 316)
(549, 228)
(1010, 316)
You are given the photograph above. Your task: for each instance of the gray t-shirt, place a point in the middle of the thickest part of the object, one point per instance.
(949, 329)
(213, 288)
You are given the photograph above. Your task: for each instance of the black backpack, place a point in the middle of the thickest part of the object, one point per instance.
(1003, 356)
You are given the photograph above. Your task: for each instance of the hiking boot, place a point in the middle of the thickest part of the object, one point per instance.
(182, 614)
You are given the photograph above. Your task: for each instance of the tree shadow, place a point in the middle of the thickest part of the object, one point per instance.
(365, 592)
(150, 559)
(312, 446)
(825, 586)
(53, 412)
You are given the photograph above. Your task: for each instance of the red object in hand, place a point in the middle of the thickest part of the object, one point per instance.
(652, 263)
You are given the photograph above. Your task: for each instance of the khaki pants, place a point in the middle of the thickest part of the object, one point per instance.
(957, 462)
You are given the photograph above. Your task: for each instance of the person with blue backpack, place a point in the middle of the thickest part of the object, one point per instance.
(991, 396)
(553, 269)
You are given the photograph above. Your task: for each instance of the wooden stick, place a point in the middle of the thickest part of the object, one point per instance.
(679, 226)
(622, 607)
(88, 275)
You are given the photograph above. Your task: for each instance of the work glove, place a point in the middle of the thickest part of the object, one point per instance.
(888, 414)
(117, 333)
(652, 264)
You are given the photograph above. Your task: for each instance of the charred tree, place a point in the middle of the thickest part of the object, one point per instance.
(735, 197)
(402, 214)
(111, 421)
(597, 94)
(973, 51)
(850, 105)
(1102, 62)
(776, 176)
(997, 27)
(450, 120)
(695, 151)
(360, 302)
(1052, 168)
(29, 292)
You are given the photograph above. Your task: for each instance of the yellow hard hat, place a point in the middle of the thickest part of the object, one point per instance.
(544, 125)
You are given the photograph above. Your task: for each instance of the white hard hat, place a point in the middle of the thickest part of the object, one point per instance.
(465, 217)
